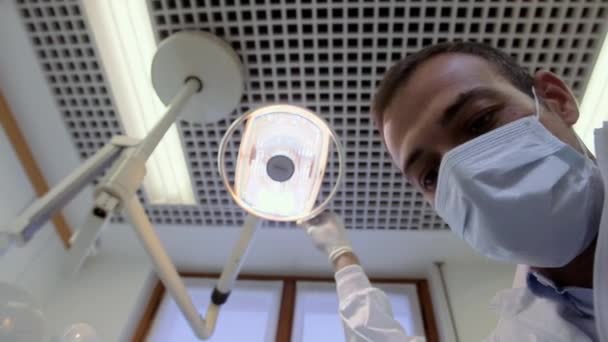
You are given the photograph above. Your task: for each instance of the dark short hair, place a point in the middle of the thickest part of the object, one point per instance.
(399, 73)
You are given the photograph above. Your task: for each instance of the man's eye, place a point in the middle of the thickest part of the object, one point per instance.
(428, 181)
(482, 123)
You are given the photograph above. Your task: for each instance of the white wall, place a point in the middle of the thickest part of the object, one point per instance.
(289, 251)
(27, 92)
(110, 289)
(109, 293)
(32, 267)
(470, 288)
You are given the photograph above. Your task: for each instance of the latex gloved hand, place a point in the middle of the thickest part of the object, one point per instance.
(328, 234)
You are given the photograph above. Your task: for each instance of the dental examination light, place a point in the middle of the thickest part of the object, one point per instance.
(281, 163)
(195, 74)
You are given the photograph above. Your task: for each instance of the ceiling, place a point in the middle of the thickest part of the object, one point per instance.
(325, 55)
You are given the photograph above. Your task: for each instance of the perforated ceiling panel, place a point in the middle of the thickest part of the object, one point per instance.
(325, 55)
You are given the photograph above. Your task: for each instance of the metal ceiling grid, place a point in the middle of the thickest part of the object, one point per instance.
(325, 55)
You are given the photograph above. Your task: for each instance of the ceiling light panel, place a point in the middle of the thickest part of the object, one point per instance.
(126, 46)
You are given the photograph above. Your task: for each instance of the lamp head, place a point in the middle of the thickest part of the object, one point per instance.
(281, 162)
(210, 60)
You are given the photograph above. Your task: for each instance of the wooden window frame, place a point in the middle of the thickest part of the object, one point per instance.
(288, 301)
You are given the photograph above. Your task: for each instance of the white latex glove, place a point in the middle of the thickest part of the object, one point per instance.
(328, 234)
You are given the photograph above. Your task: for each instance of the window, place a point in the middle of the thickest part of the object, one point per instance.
(316, 311)
(280, 309)
(251, 313)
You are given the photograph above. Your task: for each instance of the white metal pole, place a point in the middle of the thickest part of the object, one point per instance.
(149, 143)
(202, 327)
(234, 264)
(123, 183)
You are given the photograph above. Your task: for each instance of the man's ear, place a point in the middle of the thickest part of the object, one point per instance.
(556, 96)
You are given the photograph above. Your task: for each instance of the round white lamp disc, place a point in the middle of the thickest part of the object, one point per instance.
(210, 60)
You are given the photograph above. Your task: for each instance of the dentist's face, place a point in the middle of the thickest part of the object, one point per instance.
(453, 98)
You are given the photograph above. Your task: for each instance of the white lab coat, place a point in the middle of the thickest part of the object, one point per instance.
(529, 318)
(366, 311)
(523, 317)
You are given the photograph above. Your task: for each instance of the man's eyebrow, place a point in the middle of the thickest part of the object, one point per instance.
(462, 100)
(411, 159)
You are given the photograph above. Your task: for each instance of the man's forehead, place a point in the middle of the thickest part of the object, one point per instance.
(430, 89)
(441, 76)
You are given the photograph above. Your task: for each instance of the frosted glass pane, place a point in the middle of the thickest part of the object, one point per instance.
(251, 326)
(403, 313)
(322, 327)
(251, 313)
(317, 318)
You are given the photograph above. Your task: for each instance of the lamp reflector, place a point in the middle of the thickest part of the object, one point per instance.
(281, 161)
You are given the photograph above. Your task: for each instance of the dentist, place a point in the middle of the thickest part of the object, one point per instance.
(492, 148)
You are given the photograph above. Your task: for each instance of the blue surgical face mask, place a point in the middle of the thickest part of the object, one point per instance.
(519, 194)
